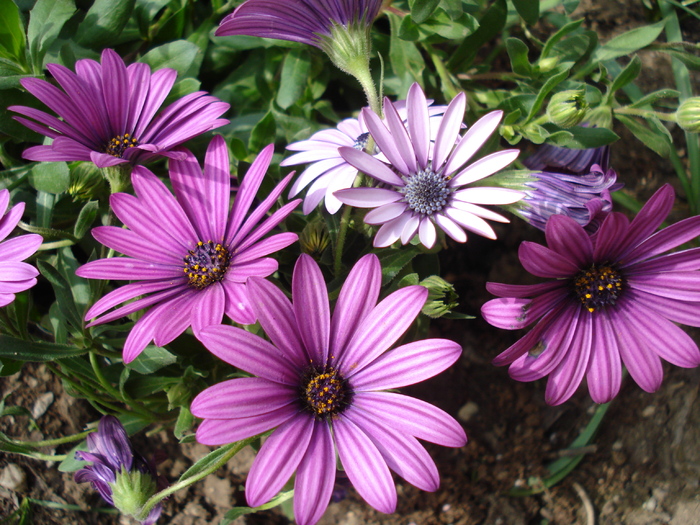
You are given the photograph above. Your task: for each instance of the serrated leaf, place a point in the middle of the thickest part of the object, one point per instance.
(104, 22)
(177, 55)
(50, 177)
(629, 42)
(393, 261)
(422, 9)
(36, 351)
(529, 10)
(46, 20)
(295, 73)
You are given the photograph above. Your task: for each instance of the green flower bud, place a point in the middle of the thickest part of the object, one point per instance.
(567, 108)
(688, 115)
(442, 297)
(314, 238)
(348, 47)
(86, 182)
(131, 491)
(545, 65)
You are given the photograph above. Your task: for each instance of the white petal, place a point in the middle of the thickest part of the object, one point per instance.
(472, 141)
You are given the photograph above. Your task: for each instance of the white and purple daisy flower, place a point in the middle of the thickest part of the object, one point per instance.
(422, 187)
(113, 458)
(15, 276)
(329, 171)
(107, 113)
(189, 254)
(612, 299)
(322, 384)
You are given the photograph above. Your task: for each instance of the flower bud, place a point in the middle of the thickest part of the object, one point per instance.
(688, 115)
(314, 238)
(567, 108)
(131, 490)
(86, 182)
(442, 297)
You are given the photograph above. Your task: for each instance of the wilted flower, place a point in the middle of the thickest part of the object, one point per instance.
(423, 186)
(190, 254)
(16, 276)
(122, 476)
(611, 299)
(322, 385)
(107, 113)
(329, 171)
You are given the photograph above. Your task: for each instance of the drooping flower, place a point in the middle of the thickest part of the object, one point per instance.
(121, 475)
(572, 182)
(612, 299)
(329, 171)
(321, 384)
(189, 254)
(15, 276)
(107, 113)
(423, 187)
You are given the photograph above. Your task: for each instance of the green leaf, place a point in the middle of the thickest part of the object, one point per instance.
(295, 73)
(263, 133)
(177, 55)
(36, 351)
(62, 290)
(627, 76)
(529, 10)
(207, 461)
(9, 367)
(557, 76)
(50, 177)
(490, 26)
(185, 421)
(85, 219)
(104, 22)
(441, 24)
(690, 61)
(580, 137)
(71, 464)
(651, 98)
(406, 61)
(153, 358)
(393, 261)
(46, 20)
(11, 31)
(422, 9)
(653, 139)
(517, 52)
(556, 37)
(629, 42)
(237, 512)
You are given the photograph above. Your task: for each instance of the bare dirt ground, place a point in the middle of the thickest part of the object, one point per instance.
(643, 469)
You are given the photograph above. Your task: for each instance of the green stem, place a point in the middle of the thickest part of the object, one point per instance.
(364, 77)
(156, 498)
(89, 396)
(340, 244)
(645, 113)
(56, 441)
(114, 392)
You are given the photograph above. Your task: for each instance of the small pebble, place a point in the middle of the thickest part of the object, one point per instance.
(12, 477)
(42, 404)
(649, 411)
(468, 411)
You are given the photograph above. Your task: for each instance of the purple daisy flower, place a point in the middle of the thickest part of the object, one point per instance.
(190, 255)
(567, 160)
(16, 276)
(107, 113)
(307, 21)
(423, 186)
(329, 171)
(115, 466)
(612, 299)
(321, 384)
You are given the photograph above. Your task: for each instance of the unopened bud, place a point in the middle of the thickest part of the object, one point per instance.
(442, 297)
(567, 108)
(688, 115)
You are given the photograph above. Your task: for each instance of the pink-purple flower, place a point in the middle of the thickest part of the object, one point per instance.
(15, 276)
(611, 299)
(107, 113)
(321, 384)
(189, 255)
(307, 21)
(423, 187)
(121, 475)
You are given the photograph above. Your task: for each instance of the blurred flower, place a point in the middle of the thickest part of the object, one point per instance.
(15, 276)
(329, 171)
(688, 115)
(567, 160)
(567, 108)
(122, 476)
(610, 299)
(107, 113)
(191, 254)
(422, 187)
(321, 384)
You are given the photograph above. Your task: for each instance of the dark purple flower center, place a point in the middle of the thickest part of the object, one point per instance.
(361, 141)
(326, 393)
(426, 192)
(598, 286)
(119, 144)
(206, 264)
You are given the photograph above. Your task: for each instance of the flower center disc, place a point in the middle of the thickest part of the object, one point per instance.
(598, 286)
(206, 264)
(326, 393)
(426, 192)
(119, 144)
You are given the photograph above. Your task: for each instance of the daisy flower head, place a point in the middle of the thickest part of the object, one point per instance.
(107, 113)
(611, 299)
(422, 187)
(16, 276)
(121, 475)
(321, 383)
(329, 171)
(189, 254)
